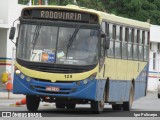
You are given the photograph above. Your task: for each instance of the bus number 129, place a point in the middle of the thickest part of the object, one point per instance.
(68, 76)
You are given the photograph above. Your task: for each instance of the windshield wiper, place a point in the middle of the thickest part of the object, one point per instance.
(36, 35)
(71, 39)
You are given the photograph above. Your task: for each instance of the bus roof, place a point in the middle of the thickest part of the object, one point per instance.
(102, 15)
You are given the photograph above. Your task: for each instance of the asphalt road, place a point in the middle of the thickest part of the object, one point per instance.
(149, 105)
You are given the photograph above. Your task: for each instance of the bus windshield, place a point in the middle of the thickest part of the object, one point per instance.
(49, 44)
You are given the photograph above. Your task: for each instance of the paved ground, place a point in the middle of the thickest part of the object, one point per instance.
(4, 95)
(148, 103)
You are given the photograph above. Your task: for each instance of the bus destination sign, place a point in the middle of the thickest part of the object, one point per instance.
(60, 15)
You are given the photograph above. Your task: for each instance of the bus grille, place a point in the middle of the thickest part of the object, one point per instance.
(55, 69)
(40, 86)
(62, 90)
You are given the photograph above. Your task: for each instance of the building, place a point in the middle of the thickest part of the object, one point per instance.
(154, 57)
(9, 12)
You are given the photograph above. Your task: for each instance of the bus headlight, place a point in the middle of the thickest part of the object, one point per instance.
(78, 83)
(28, 79)
(22, 76)
(85, 81)
(92, 77)
(17, 72)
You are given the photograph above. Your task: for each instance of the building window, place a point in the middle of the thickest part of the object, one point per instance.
(150, 46)
(154, 61)
(158, 46)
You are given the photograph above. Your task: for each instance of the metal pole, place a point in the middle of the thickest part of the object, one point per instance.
(46, 2)
(30, 3)
(12, 67)
(39, 2)
(58, 2)
(75, 2)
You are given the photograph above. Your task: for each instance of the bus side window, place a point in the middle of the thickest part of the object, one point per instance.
(102, 50)
(107, 29)
(124, 43)
(140, 46)
(146, 45)
(104, 27)
(117, 43)
(107, 34)
(135, 46)
(110, 52)
(130, 44)
(114, 32)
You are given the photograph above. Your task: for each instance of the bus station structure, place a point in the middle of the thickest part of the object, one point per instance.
(154, 57)
(9, 12)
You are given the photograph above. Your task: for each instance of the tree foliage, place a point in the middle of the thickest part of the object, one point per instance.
(143, 10)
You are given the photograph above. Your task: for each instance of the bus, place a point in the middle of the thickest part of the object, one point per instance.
(73, 55)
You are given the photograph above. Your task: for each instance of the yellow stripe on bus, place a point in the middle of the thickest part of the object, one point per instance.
(56, 76)
(119, 69)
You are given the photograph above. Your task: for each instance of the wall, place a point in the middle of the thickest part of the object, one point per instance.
(4, 11)
(155, 33)
(154, 74)
(9, 11)
(3, 50)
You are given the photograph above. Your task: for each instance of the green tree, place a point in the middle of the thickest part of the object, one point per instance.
(24, 2)
(135, 9)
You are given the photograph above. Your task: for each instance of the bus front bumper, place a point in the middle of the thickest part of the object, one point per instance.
(84, 89)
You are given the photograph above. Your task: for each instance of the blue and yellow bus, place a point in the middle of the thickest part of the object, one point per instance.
(72, 55)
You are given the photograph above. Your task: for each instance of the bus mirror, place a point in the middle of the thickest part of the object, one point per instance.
(159, 79)
(12, 33)
(107, 42)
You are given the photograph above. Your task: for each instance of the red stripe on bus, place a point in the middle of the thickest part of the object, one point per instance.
(153, 76)
(5, 64)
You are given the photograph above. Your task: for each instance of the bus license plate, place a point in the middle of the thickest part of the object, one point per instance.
(54, 89)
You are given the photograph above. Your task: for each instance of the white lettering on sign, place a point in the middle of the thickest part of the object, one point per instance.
(61, 15)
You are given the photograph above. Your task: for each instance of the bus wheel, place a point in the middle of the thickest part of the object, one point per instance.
(98, 106)
(128, 105)
(60, 105)
(116, 107)
(32, 102)
(71, 106)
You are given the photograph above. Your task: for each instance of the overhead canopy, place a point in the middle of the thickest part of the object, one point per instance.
(155, 33)
(4, 26)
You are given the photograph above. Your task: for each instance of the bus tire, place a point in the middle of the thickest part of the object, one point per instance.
(60, 105)
(128, 105)
(98, 106)
(32, 102)
(71, 106)
(116, 107)
(158, 95)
